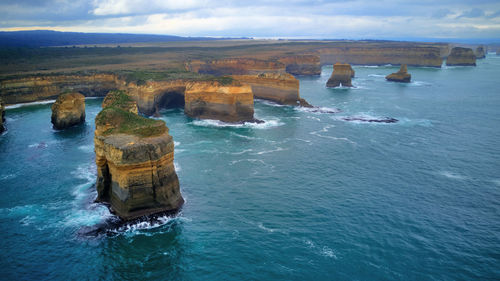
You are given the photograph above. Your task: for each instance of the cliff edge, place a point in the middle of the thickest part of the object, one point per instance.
(461, 57)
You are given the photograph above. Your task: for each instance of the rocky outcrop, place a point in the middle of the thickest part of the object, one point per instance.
(341, 75)
(301, 64)
(401, 76)
(134, 157)
(118, 98)
(381, 54)
(480, 52)
(235, 66)
(279, 88)
(153, 95)
(461, 57)
(68, 110)
(2, 116)
(228, 101)
(35, 88)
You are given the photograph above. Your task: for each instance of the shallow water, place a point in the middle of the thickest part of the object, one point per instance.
(304, 195)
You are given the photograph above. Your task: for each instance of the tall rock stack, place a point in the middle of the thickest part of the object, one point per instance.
(135, 161)
(341, 75)
(68, 110)
(401, 76)
(461, 57)
(480, 52)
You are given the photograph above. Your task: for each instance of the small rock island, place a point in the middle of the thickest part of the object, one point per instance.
(341, 75)
(461, 57)
(68, 110)
(135, 161)
(401, 76)
(480, 52)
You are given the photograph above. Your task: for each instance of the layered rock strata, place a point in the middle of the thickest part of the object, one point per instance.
(381, 54)
(68, 110)
(2, 116)
(235, 66)
(461, 57)
(480, 52)
(153, 95)
(229, 102)
(35, 88)
(279, 88)
(401, 76)
(134, 157)
(301, 64)
(341, 75)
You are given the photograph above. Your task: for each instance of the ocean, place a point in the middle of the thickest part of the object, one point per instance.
(303, 196)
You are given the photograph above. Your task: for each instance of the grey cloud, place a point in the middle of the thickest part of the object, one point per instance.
(474, 13)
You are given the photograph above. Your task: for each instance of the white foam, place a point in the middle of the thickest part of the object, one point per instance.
(243, 136)
(270, 151)
(376, 75)
(318, 110)
(7, 176)
(325, 129)
(322, 251)
(220, 124)
(452, 175)
(86, 148)
(29, 104)
(177, 143)
(177, 167)
(242, 152)
(270, 103)
(419, 83)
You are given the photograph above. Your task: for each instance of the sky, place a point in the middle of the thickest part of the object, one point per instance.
(352, 19)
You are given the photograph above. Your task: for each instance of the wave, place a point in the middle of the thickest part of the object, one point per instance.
(325, 129)
(8, 176)
(419, 83)
(318, 110)
(177, 143)
(29, 104)
(452, 175)
(322, 251)
(177, 167)
(86, 148)
(270, 103)
(267, 124)
(376, 75)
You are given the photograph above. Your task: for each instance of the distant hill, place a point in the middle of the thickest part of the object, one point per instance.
(47, 38)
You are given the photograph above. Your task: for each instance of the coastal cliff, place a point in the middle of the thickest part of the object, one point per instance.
(341, 75)
(279, 88)
(380, 55)
(229, 101)
(301, 64)
(134, 157)
(68, 110)
(35, 88)
(153, 95)
(461, 57)
(2, 116)
(235, 66)
(401, 76)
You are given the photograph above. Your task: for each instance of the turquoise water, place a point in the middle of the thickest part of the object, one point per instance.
(304, 196)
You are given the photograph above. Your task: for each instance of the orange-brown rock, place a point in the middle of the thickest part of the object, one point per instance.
(380, 54)
(235, 66)
(68, 110)
(153, 95)
(229, 102)
(341, 75)
(135, 169)
(279, 88)
(301, 64)
(35, 88)
(401, 76)
(462, 57)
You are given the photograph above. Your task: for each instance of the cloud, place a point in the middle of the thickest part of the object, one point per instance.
(121, 7)
(473, 13)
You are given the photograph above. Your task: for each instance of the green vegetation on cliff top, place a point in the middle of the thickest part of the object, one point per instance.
(124, 122)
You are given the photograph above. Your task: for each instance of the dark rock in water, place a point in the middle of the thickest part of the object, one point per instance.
(302, 102)
(461, 57)
(2, 116)
(68, 110)
(341, 75)
(369, 120)
(401, 76)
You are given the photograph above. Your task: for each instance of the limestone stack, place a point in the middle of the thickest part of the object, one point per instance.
(68, 110)
(228, 101)
(276, 87)
(480, 52)
(461, 57)
(2, 116)
(134, 157)
(401, 76)
(341, 75)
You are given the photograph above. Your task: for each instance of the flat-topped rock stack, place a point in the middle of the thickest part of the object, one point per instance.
(341, 75)
(68, 110)
(401, 76)
(480, 52)
(134, 158)
(461, 57)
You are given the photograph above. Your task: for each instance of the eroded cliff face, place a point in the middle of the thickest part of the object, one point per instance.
(380, 55)
(68, 110)
(480, 52)
(235, 66)
(341, 75)
(301, 64)
(461, 57)
(279, 88)
(46, 87)
(2, 116)
(134, 157)
(153, 95)
(231, 102)
(401, 76)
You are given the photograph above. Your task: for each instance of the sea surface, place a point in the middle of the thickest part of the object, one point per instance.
(303, 196)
